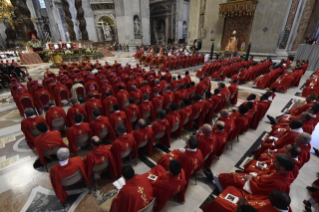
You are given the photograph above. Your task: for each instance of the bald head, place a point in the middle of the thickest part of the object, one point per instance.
(220, 125)
(141, 123)
(305, 116)
(224, 113)
(207, 129)
(303, 138)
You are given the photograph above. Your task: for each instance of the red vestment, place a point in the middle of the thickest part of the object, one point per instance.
(122, 96)
(91, 105)
(208, 146)
(102, 123)
(198, 108)
(37, 94)
(75, 131)
(58, 172)
(48, 140)
(137, 95)
(29, 124)
(133, 110)
(120, 116)
(263, 184)
(184, 113)
(75, 109)
(200, 88)
(146, 106)
(56, 94)
(104, 88)
(107, 103)
(54, 113)
(145, 134)
(97, 156)
(173, 117)
(221, 140)
(17, 98)
(163, 126)
(298, 111)
(134, 196)
(262, 107)
(121, 144)
(168, 98)
(209, 106)
(157, 102)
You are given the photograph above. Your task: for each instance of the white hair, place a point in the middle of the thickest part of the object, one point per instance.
(306, 137)
(63, 153)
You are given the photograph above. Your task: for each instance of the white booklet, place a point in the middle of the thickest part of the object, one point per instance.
(119, 183)
(152, 177)
(258, 162)
(273, 138)
(281, 130)
(232, 198)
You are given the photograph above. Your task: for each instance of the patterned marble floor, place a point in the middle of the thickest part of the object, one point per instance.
(23, 186)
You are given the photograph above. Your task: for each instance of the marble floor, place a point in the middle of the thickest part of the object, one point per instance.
(23, 188)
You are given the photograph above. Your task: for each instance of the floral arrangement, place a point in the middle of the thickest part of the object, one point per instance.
(36, 45)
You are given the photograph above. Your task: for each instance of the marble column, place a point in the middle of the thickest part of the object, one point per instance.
(313, 22)
(295, 25)
(303, 24)
(54, 19)
(89, 18)
(75, 21)
(194, 15)
(145, 21)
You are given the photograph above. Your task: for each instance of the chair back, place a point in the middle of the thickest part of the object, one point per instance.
(34, 132)
(14, 74)
(101, 166)
(82, 140)
(126, 153)
(49, 152)
(103, 133)
(72, 179)
(44, 99)
(137, 101)
(52, 87)
(46, 83)
(133, 118)
(80, 91)
(196, 116)
(126, 103)
(14, 88)
(58, 124)
(68, 85)
(26, 102)
(175, 126)
(149, 207)
(146, 114)
(64, 94)
(143, 144)
(160, 135)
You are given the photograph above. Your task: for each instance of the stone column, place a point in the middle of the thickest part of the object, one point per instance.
(89, 18)
(293, 31)
(193, 29)
(54, 19)
(313, 22)
(303, 24)
(75, 21)
(58, 13)
(145, 21)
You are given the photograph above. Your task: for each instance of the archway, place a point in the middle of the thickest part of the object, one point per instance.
(108, 29)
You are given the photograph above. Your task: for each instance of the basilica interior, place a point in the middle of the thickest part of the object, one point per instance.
(224, 41)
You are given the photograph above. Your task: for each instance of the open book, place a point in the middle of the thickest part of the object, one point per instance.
(258, 162)
(231, 198)
(119, 183)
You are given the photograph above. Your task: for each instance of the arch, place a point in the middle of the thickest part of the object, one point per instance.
(108, 27)
(110, 16)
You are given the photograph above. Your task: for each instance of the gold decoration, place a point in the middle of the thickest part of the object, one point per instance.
(238, 8)
(6, 12)
(33, 20)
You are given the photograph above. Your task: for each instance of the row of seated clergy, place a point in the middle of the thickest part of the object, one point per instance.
(274, 169)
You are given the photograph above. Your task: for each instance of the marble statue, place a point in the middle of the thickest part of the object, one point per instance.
(185, 29)
(137, 26)
(232, 43)
(107, 32)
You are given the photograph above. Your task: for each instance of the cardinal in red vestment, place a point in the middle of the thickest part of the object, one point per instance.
(261, 109)
(263, 81)
(56, 93)
(47, 140)
(80, 129)
(125, 142)
(235, 199)
(92, 104)
(28, 126)
(147, 109)
(162, 126)
(198, 111)
(100, 154)
(119, 118)
(157, 102)
(17, 98)
(102, 123)
(38, 93)
(186, 114)
(174, 120)
(135, 195)
(144, 134)
(136, 93)
(168, 97)
(108, 103)
(75, 109)
(65, 168)
(55, 113)
(122, 98)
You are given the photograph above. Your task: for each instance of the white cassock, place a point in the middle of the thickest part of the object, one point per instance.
(73, 90)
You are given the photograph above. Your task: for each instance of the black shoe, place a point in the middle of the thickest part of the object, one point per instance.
(54, 157)
(239, 171)
(312, 189)
(307, 203)
(37, 164)
(208, 173)
(308, 209)
(316, 151)
(272, 120)
(48, 160)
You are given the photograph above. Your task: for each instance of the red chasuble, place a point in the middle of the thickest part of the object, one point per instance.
(208, 145)
(107, 102)
(91, 105)
(233, 89)
(135, 195)
(209, 106)
(17, 99)
(54, 113)
(305, 153)
(263, 183)
(163, 126)
(56, 94)
(262, 107)
(298, 111)
(99, 155)
(157, 102)
(102, 123)
(184, 113)
(260, 202)
(198, 107)
(168, 97)
(121, 96)
(58, 172)
(221, 140)
(133, 110)
(173, 117)
(119, 116)
(229, 125)
(75, 109)
(75, 131)
(200, 88)
(166, 185)
(145, 134)
(29, 124)
(37, 94)
(48, 140)
(104, 88)
(121, 144)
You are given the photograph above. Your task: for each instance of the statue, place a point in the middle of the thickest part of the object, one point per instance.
(232, 43)
(184, 29)
(137, 26)
(34, 43)
(107, 32)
